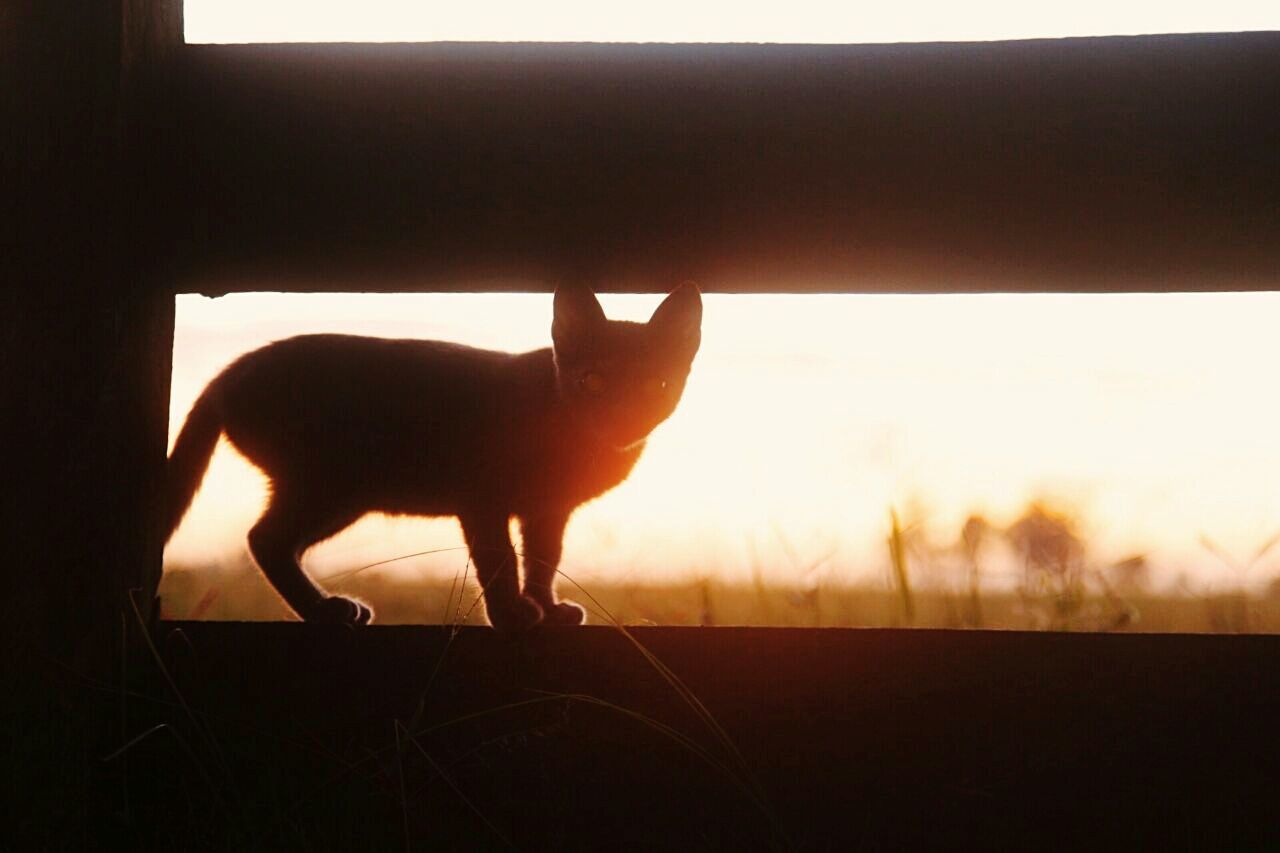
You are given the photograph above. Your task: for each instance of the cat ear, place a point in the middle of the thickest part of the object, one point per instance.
(575, 314)
(679, 317)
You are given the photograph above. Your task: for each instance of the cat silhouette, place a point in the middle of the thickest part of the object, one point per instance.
(344, 425)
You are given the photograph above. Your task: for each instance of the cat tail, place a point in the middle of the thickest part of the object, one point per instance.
(191, 453)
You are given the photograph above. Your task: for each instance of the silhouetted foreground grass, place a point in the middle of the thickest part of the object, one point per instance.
(288, 736)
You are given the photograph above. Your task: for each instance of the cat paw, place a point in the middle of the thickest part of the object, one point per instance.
(337, 610)
(564, 613)
(515, 616)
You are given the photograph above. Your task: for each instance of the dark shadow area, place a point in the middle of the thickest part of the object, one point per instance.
(133, 165)
(1122, 163)
(290, 735)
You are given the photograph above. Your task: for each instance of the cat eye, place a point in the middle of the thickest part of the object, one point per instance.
(655, 385)
(593, 383)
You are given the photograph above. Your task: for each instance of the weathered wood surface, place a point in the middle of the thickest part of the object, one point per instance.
(87, 327)
(1147, 163)
(1098, 164)
(858, 739)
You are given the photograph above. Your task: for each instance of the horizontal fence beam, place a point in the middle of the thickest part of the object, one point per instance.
(1144, 163)
(849, 739)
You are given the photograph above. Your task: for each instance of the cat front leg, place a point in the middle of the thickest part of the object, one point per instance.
(542, 537)
(489, 542)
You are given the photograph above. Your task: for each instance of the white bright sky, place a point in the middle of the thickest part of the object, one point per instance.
(806, 418)
(799, 21)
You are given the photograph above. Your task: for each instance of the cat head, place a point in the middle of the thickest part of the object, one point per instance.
(624, 378)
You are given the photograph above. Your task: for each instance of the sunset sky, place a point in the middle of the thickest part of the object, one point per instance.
(801, 21)
(1153, 417)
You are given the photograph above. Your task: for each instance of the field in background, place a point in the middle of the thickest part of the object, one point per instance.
(242, 594)
(1038, 572)
(1147, 443)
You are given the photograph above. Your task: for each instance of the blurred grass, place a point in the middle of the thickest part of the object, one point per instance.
(901, 578)
(1037, 570)
(241, 594)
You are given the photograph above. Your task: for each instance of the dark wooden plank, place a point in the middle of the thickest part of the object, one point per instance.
(1075, 164)
(1080, 164)
(857, 738)
(87, 329)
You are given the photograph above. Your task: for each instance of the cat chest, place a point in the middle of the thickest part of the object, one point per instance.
(567, 479)
(521, 470)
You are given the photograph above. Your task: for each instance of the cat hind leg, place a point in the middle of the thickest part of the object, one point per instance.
(278, 540)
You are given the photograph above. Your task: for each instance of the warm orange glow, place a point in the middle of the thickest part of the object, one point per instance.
(808, 417)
